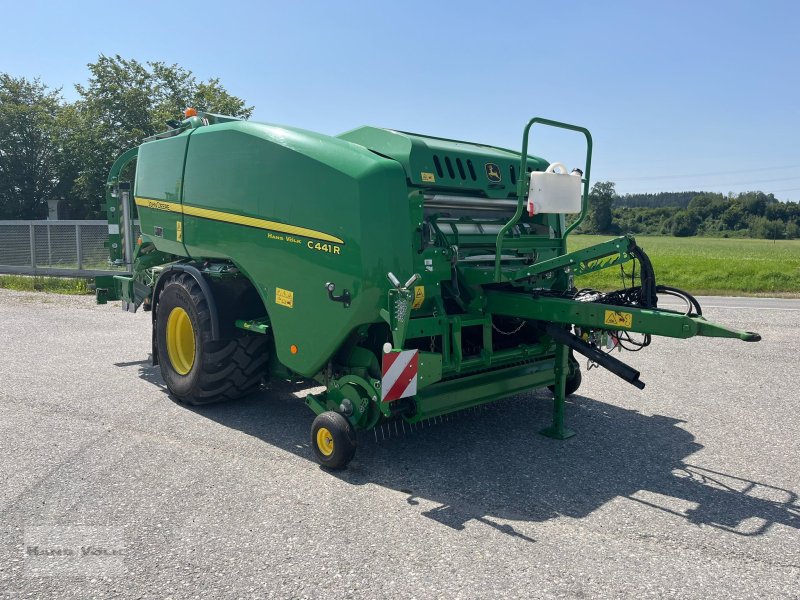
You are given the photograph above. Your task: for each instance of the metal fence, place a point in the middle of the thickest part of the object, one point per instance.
(65, 248)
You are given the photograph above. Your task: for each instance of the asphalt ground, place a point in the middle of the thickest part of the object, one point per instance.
(686, 489)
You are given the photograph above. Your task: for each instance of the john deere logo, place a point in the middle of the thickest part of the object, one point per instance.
(493, 173)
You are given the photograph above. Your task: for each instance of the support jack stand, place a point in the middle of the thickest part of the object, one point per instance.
(557, 430)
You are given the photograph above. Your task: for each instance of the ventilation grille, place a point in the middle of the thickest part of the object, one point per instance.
(459, 170)
(455, 169)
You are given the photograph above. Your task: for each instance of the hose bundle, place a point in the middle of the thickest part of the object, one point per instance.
(644, 295)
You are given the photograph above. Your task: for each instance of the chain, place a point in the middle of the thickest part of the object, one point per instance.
(521, 325)
(433, 338)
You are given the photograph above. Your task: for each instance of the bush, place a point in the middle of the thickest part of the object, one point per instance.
(684, 224)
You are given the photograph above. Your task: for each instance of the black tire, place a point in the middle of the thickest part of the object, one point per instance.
(574, 378)
(219, 370)
(341, 437)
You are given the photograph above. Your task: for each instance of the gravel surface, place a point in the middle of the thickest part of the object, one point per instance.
(686, 489)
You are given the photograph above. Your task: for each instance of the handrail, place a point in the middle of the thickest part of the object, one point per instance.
(523, 184)
(119, 164)
(120, 232)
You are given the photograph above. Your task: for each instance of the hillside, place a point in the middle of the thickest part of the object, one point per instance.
(749, 214)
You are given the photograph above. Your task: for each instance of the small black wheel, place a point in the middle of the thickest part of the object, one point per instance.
(333, 439)
(574, 378)
(196, 369)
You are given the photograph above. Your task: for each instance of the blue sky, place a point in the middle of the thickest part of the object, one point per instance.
(678, 95)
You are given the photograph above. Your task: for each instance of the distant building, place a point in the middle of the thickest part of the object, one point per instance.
(57, 209)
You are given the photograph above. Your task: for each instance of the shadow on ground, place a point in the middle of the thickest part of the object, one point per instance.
(490, 463)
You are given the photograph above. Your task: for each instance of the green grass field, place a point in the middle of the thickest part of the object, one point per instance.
(711, 266)
(57, 285)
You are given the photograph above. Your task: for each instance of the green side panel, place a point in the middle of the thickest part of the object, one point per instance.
(456, 394)
(442, 164)
(295, 178)
(158, 177)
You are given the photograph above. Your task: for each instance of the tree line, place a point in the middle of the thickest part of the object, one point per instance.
(682, 214)
(51, 149)
(54, 149)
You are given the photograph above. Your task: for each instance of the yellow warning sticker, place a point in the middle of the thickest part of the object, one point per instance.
(616, 318)
(179, 230)
(419, 296)
(428, 177)
(284, 297)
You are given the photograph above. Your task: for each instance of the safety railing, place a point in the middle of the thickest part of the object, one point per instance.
(524, 181)
(57, 248)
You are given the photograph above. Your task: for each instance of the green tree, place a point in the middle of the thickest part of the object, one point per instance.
(28, 155)
(601, 198)
(123, 102)
(777, 211)
(707, 205)
(733, 217)
(684, 224)
(755, 203)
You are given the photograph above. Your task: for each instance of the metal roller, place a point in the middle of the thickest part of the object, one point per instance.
(468, 202)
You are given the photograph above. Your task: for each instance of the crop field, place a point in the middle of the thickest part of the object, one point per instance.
(709, 266)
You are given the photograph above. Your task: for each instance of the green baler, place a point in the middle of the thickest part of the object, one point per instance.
(410, 275)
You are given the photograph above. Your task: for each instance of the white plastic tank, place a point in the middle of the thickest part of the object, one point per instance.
(552, 191)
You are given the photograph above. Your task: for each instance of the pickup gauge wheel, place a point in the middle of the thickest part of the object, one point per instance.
(333, 440)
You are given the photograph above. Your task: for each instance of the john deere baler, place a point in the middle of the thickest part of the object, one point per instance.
(410, 275)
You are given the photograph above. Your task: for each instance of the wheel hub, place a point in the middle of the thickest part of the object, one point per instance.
(180, 340)
(325, 441)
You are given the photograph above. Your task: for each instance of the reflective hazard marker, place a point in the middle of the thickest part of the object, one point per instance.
(399, 371)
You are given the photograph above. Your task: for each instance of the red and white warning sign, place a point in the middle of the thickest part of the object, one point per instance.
(399, 375)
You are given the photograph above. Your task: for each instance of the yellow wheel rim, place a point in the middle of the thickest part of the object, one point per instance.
(180, 340)
(325, 441)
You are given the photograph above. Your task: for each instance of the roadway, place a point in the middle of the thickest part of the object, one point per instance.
(688, 488)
